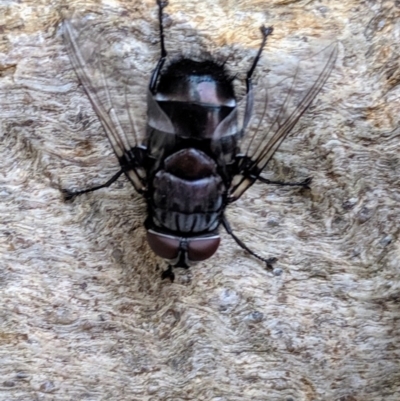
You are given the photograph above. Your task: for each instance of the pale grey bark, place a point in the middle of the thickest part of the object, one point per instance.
(84, 313)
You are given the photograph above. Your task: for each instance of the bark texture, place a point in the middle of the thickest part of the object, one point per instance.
(84, 314)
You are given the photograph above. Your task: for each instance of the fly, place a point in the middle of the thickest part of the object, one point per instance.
(191, 164)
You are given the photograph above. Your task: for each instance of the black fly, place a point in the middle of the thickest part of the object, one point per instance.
(190, 165)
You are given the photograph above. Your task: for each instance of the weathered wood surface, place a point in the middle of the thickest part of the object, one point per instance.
(84, 314)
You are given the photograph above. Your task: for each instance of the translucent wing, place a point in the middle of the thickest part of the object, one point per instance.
(103, 65)
(294, 86)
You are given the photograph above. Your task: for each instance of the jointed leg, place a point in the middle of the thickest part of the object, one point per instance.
(265, 32)
(228, 229)
(154, 76)
(168, 274)
(304, 184)
(249, 86)
(68, 195)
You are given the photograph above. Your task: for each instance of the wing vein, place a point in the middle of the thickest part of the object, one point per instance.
(264, 154)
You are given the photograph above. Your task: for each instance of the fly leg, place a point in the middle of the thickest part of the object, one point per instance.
(154, 76)
(266, 31)
(268, 262)
(69, 195)
(168, 274)
(305, 184)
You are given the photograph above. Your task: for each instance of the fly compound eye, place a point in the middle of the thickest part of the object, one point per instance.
(182, 250)
(202, 248)
(164, 246)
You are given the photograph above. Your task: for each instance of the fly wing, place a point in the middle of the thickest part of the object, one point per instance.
(294, 86)
(106, 76)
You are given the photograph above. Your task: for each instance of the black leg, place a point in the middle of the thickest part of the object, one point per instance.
(228, 229)
(68, 195)
(168, 274)
(154, 76)
(265, 32)
(305, 184)
(249, 85)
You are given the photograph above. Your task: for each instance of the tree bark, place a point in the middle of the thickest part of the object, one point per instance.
(84, 312)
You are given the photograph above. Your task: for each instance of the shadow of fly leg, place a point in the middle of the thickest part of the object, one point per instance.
(305, 184)
(268, 262)
(168, 274)
(69, 195)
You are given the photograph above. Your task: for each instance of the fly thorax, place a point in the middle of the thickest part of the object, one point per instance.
(196, 97)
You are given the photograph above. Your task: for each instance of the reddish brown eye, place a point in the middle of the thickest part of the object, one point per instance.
(202, 248)
(194, 249)
(163, 245)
